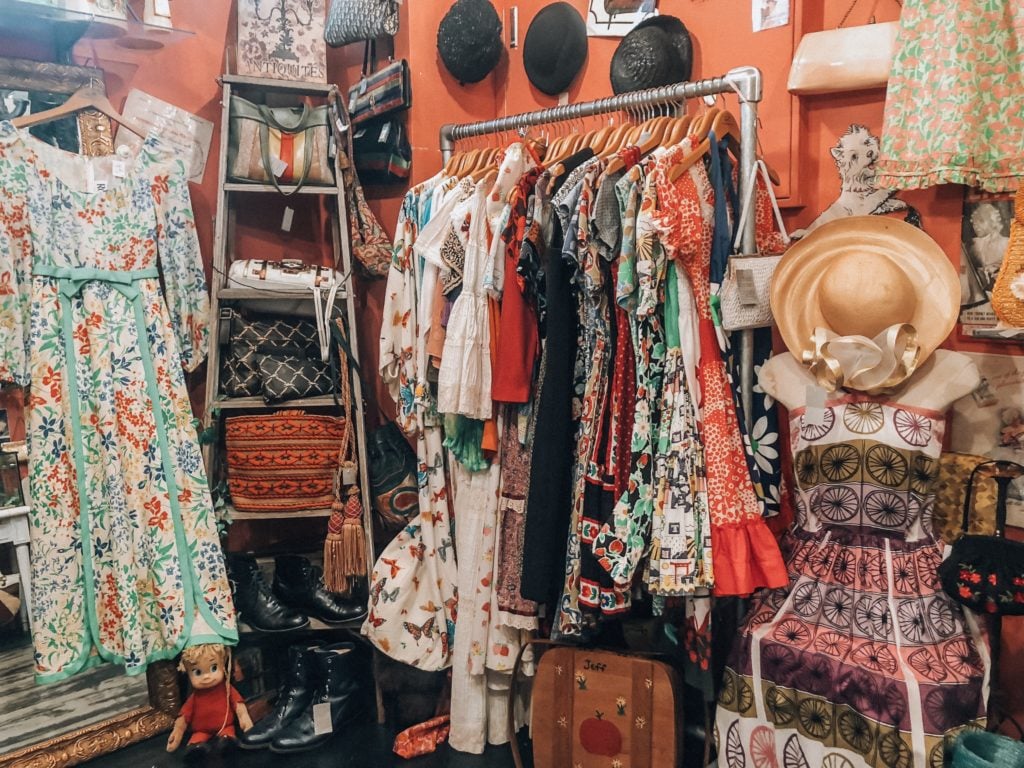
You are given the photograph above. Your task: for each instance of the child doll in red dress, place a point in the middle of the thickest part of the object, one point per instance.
(211, 709)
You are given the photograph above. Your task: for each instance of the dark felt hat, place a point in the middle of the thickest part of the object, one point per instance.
(469, 40)
(656, 52)
(555, 48)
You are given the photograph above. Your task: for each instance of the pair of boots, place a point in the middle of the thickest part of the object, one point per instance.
(297, 594)
(320, 683)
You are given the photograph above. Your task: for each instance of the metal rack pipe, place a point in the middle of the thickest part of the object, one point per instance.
(745, 82)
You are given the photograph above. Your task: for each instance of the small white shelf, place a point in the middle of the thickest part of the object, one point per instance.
(243, 403)
(307, 189)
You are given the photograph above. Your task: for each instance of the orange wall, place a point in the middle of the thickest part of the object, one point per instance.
(796, 133)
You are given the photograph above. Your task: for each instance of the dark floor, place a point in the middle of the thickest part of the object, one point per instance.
(361, 746)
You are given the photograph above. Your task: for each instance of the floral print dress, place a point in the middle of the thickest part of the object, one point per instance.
(126, 562)
(952, 108)
(746, 556)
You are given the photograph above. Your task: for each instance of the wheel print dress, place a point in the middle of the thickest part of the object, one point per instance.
(126, 562)
(863, 660)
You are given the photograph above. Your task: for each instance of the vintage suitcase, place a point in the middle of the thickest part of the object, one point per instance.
(595, 709)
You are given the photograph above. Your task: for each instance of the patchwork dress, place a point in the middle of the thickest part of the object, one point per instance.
(126, 562)
(863, 660)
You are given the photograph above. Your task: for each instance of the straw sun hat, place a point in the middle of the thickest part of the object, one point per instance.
(860, 276)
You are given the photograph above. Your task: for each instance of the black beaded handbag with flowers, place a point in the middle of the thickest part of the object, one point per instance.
(986, 573)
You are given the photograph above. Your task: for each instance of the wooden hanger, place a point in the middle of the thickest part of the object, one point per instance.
(88, 97)
(655, 130)
(677, 130)
(726, 130)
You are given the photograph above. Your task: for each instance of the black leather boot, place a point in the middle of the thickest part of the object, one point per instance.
(300, 584)
(340, 688)
(254, 601)
(293, 699)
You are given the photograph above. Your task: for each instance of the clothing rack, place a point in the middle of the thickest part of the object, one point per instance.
(745, 82)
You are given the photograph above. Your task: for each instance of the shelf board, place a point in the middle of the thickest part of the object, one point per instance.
(258, 294)
(279, 515)
(43, 21)
(271, 84)
(242, 403)
(315, 625)
(307, 189)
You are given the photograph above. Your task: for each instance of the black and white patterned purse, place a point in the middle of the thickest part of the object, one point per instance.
(352, 21)
(278, 358)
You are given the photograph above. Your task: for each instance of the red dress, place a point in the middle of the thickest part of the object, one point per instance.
(746, 555)
(211, 712)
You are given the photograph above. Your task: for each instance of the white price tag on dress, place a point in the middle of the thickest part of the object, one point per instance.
(286, 222)
(162, 8)
(814, 413)
(322, 719)
(385, 131)
(278, 166)
(118, 169)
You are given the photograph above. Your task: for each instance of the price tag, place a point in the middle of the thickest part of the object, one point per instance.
(162, 8)
(331, 149)
(814, 413)
(322, 719)
(118, 169)
(747, 287)
(348, 475)
(92, 183)
(286, 222)
(352, 99)
(362, 86)
(385, 131)
(278, 166)
(337, 121)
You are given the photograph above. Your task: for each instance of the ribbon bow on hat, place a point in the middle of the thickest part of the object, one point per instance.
(875, 366)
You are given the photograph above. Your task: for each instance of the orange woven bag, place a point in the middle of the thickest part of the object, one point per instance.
(1008, 291)
(284, 461)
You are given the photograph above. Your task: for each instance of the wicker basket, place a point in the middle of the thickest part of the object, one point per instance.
(284, 461)
(1008, 291)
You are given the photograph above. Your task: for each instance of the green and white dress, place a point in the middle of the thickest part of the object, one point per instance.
(126, 562)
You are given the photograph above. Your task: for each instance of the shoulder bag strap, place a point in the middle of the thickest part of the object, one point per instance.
(307, 154)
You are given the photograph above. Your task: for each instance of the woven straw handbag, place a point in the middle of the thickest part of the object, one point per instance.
(1008, 291)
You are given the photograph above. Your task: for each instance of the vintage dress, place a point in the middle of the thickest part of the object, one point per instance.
(746, 556)
(952, 107)
(125, 553)
(863, 660)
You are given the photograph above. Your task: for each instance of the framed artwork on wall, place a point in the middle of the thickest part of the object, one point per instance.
(984, 237)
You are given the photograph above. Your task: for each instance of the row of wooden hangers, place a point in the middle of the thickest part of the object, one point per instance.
(606, 142)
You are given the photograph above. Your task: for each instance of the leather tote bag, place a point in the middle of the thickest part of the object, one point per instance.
(278, 145)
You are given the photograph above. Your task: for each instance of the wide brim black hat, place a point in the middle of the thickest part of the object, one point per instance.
(658, 51)
(469, 40)
(555, 48)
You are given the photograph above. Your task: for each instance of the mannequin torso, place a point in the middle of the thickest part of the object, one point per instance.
(940, 381)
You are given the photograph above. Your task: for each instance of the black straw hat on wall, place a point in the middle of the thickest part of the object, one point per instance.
(555, 48)
(469, 40)
(656, 52)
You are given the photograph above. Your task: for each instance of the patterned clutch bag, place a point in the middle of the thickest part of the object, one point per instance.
(284, 461)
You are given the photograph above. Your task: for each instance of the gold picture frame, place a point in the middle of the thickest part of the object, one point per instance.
(164, 693)
(118, 732)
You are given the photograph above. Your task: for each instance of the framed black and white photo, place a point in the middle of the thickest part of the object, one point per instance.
(984, 237)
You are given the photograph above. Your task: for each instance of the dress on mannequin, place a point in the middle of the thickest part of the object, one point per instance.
(862, 660)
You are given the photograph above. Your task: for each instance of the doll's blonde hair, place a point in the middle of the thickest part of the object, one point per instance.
(196, 654)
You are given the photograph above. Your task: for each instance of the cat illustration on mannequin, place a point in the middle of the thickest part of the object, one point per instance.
(855, 155)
